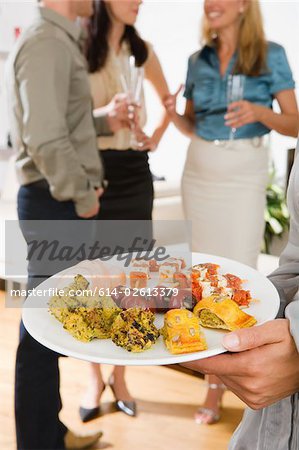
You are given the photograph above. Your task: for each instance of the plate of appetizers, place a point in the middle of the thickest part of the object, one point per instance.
(149, 313)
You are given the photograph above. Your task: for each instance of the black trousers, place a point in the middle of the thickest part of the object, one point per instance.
(37, 398)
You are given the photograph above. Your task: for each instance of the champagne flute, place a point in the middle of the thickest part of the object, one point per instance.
(132, 81)
(235, 92)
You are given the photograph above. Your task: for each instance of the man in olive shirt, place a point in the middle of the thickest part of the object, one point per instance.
(60, 173)
(51, 111)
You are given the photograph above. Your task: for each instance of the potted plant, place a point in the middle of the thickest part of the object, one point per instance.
(276, 213)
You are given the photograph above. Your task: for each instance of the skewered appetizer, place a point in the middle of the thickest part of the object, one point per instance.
(181, 260)
(169, 268)
(182, 280)
(222, 313)
(207, 281)
(167, 271)
(182, 332)
(175, 262)
(153, 265)
(134, 330)
(139, 274)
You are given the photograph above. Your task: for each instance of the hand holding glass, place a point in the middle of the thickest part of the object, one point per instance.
(235, 92)
(132, 81)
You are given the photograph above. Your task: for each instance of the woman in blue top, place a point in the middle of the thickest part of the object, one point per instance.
(224, 180)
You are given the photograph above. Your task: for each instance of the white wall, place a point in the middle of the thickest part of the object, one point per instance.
(282, 26)
(173, 29)
(12, 14)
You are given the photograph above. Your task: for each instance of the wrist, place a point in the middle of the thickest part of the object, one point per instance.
(261, 113)
(111, 121)
(174, 115)
(156, 138)
(154, 146)
(86, 201)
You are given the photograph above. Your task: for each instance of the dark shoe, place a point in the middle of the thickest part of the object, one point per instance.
(127, 407)
(73, 441)
(87, 414)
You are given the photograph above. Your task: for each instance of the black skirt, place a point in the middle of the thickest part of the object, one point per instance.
(130, 193)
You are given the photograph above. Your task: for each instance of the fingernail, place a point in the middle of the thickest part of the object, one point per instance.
(231, 341)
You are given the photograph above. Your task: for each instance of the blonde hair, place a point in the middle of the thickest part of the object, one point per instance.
(252, 44)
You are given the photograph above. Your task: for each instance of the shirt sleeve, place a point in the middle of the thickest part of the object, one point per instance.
(189, 85)
(292, 313)
(286, 281)
(286, 277)
(102, 126)
(97, 88)
(44, 83)
(281, 74)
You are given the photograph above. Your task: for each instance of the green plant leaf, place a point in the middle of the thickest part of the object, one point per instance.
(267, 216)
(285, 211)
(276, 213)
(276, 226)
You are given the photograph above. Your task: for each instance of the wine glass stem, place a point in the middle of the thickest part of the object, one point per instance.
(133, 140)
(232, 134)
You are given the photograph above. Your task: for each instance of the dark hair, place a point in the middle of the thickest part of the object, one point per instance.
(97, 49)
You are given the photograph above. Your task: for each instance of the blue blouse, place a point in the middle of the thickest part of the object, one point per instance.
(208, 90)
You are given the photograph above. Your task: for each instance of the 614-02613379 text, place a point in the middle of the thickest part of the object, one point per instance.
(101, 292)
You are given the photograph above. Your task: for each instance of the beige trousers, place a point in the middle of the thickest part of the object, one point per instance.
(223, 189)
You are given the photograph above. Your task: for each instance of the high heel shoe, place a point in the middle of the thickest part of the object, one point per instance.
(88, 414)
(127, 407)
(213, 417)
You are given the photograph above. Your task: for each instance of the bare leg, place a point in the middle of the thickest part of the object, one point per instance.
(94, 390)
(117, 379)
(210, 411)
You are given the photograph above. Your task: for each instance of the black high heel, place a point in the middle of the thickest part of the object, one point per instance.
(88, 414)
(127, 407)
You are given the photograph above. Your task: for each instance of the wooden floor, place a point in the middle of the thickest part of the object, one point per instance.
(166, 403)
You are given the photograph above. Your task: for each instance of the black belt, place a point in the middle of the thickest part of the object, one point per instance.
(40, 184)
(43, 184)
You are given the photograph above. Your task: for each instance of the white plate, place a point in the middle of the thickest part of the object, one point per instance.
(49, 332)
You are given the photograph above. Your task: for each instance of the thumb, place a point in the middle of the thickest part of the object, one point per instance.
(100, 192)
(249, 338)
